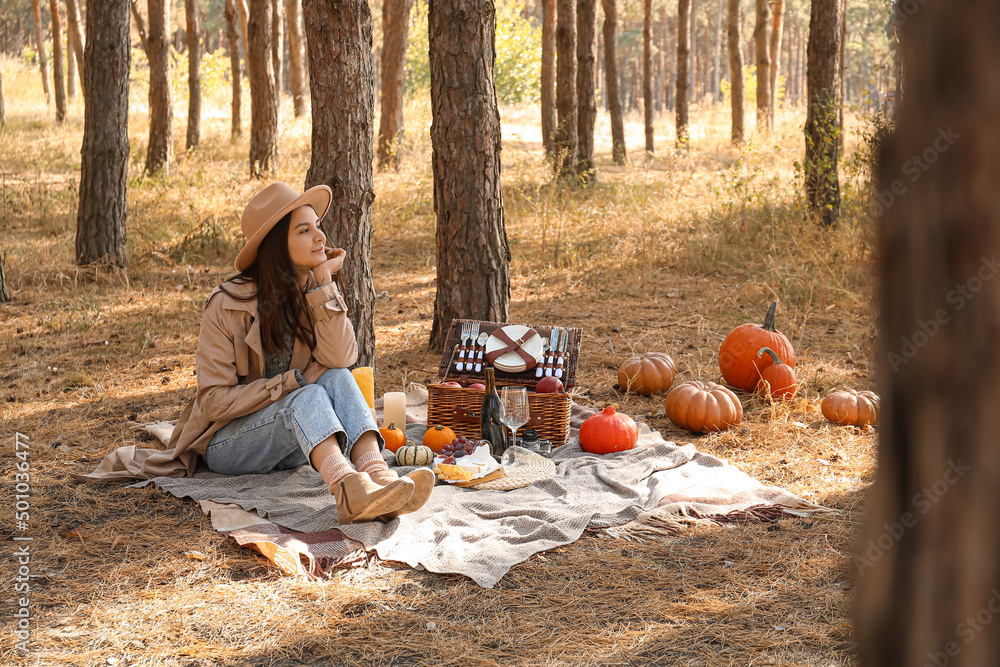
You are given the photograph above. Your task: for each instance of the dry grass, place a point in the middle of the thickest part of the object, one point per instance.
(666, 254)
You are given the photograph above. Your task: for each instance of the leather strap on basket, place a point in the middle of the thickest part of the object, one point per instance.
(513, 346)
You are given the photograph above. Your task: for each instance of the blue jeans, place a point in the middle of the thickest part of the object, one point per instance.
(283, 434)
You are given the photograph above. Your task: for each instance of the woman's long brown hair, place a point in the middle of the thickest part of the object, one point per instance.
(280, 299)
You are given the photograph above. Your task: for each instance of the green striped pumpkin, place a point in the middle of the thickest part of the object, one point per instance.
(414, 455)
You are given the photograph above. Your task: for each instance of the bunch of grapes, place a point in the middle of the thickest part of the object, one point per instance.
(458, 447)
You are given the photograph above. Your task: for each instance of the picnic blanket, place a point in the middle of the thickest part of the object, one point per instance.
(655, 489)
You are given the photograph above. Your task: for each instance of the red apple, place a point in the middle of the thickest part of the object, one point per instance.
(450, 383)
(550, 385)
(477, 385)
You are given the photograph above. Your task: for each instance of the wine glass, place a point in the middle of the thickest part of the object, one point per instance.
(515, 409)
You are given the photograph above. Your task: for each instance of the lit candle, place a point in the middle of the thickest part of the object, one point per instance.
(365, 377)
(394, 409)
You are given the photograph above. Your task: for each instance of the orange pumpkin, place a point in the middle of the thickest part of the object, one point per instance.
(778, 379)
(849, 407)
(703, 406)
(394, 438)
(648, 374)
(738, 360)
(437, 437)
(608, 431)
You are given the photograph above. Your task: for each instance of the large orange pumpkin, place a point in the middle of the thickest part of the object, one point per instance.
(738, 358)
(703, 406)
(647, 374)
(394, 437)
(778, 379)
(437, 437)
(608, 431)
(849, 407)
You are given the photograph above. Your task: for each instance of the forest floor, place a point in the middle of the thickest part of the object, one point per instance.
(666, 254)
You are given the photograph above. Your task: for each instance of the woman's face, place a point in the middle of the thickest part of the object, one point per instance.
(306, 241)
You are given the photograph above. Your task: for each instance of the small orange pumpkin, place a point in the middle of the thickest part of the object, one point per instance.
(703, 406)
(778, 379)
(394, 438)
(608, 431)
(849, 407)
(647, 374)
(437, 437)
(737, 356)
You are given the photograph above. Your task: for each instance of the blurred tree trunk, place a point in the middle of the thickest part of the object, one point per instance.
(734, 20)
(70, 71)
(926, 574)
(820, 165)
(263, 99)
(897, 66)
(237, 70)
(395, 33)
(241, 7)
(159, 153)
(842, 13)
(670, 53)
(278, 56)
(548, 76)
(776, 29)
(618, 153)
(473, 258)
(74, 26)
(4, 293)
(43, 62)
(100, 220)
(57, 62)
(763, 61)
(140, 26)
(566, 128)
(586, 84)
(683, 59)
(296, 57)
(342, 86)
(194, 74)
(3, 115)
(647, 72)
(717, 67)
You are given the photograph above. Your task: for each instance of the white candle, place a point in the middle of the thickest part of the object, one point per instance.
(394, 409)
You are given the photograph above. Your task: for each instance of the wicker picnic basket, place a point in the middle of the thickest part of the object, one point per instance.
(459, 409)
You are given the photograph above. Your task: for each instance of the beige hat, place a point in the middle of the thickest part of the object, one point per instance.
(268, 207)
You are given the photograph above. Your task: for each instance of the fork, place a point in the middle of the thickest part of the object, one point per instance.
(466, 333)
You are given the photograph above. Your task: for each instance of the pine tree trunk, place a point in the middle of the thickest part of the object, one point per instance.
(473, 258)
(734, 19)
(241, 8)
(586, 78)
(232, 36)
(76, 39)
(159, 153)
(70, 71)
(548, 76)
(670, 53)
(194, 74)
(3, 115)
(647, 72)
(897, 62)
(777, 26)
(717, 70)
(296, 57)
(4, 293)
(566, 128)
(57, 62)
(395, 34)
(342, 87)
(842, 12)
(820, 165)
(278, 55)
(43, 62)
(683, 60)
(140, 27)
(263, 98)
(928, 585)
(618, 153)
(100, 221)
(763, 62)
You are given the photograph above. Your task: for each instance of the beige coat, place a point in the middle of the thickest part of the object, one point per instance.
(229, 364)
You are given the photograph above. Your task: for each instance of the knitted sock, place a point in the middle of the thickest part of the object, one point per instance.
(333, 469)
(370, 462)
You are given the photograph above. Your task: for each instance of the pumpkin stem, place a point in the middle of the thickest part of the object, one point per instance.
(777, 359)
(769, 318)
(392, 426)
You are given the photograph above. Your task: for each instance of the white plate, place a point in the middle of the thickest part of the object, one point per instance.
(512, 362)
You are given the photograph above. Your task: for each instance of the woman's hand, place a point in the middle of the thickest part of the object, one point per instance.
(323, 273)
(313, 372)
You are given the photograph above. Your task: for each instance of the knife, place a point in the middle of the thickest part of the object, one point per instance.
(560, 355)
(553, 344)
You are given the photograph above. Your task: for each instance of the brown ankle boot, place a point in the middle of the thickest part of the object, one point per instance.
(423, 478)
(359, 499)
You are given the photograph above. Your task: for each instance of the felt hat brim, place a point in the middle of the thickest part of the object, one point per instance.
(268, 207)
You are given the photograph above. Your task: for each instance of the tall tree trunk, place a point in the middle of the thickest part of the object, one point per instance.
(74, 26)
(693, 66)
(841, 78)
(57, 62)
(820, 165)
(734, 19)
(278, 55)
(263, 98)
(614, 95)
(670, 53)
(395, 33)
(647, 72)
(683, 60)
(296, 57)
(548, 76)
(159, 153)
(241, 8)
(232, 36)
(897, 62)
(194, 74)
(763, 61)
(777, 26)
(473, 258)
(43, 61)
(140, 26)
(100, 220)
(566, 129)
(3, 115)
(926, 563)
(342, 86)
(717, 69)
(4, 293)
(586, 78)
(70, 70)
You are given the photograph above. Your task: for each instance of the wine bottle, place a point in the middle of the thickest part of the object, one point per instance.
(490, 426)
